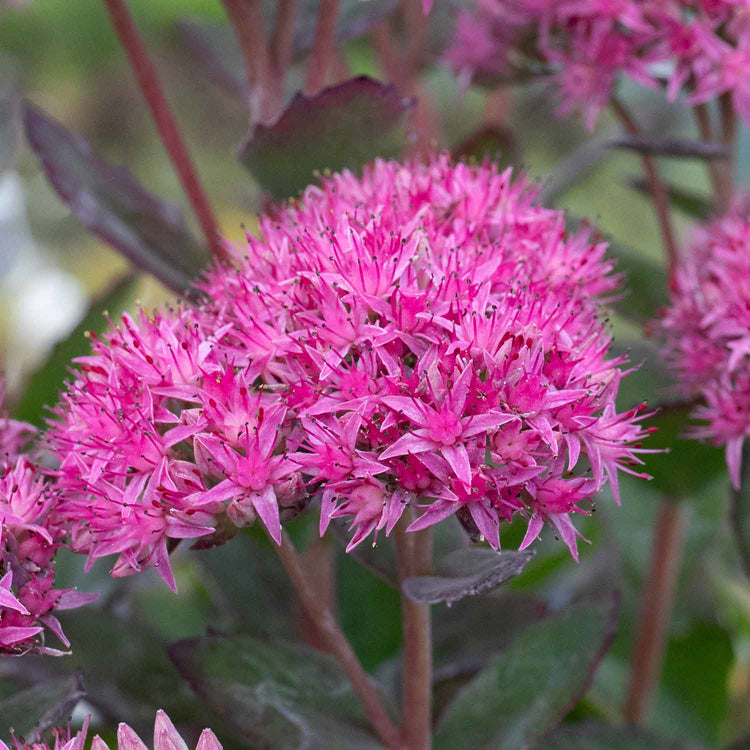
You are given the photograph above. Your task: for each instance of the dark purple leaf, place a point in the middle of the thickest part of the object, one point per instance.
(275, 695)
(593, 736)
(466, 572)
(344, 126)
(148, 231)
(526, 689)
(30, 712)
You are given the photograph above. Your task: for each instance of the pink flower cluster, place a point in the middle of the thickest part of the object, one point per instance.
(30, 533)
(708, 329)
(423, 336)
(166, 737)
(701, 47)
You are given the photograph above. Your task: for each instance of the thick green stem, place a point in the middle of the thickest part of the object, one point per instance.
(414, 553)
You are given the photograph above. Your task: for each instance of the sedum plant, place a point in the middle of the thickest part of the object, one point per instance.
(408, 367)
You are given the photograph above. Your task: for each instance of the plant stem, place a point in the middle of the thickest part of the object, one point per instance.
(337, 643)
(282, 41)
(656, 607)
(400, 65)
(148, 81)
(656, 186)
(319, 562)
(720, 171)
(265, 96)
(414, 552)
(323, 47)
(728, 134)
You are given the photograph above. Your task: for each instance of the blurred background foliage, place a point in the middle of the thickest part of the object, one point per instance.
(66, 60)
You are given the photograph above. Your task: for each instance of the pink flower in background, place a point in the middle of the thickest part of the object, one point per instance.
(585, 46)
(30, 534)
(166, 737)
(707, 328)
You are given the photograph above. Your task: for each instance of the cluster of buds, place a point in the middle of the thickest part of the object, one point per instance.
(30, 533)
(425, 336)
(700, 48)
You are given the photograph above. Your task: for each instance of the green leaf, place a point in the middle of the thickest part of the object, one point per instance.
(457, 658)
(687, 465)
(526, 689)
(43, 386)
(696, 672)
(690, 465)
(148, 231)
(344, 126)
(466, 572)
(593, 736)
(378, 558)
(509, 612)
(645, 283)
(33, 711)
(369, 608)
(275, 695)
(740, 510)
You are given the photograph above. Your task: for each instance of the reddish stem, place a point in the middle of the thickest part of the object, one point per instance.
(323, 47)
(320, 564)
(282, 41)
(148, 81)
(337, 644)
(414, 551)
(656, 608)
(720, 171)
(246, 17)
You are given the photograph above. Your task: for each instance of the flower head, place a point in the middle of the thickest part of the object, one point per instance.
(424, 335)
(435, 337)
(584, 46)
(707, 329)
(30, 534)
